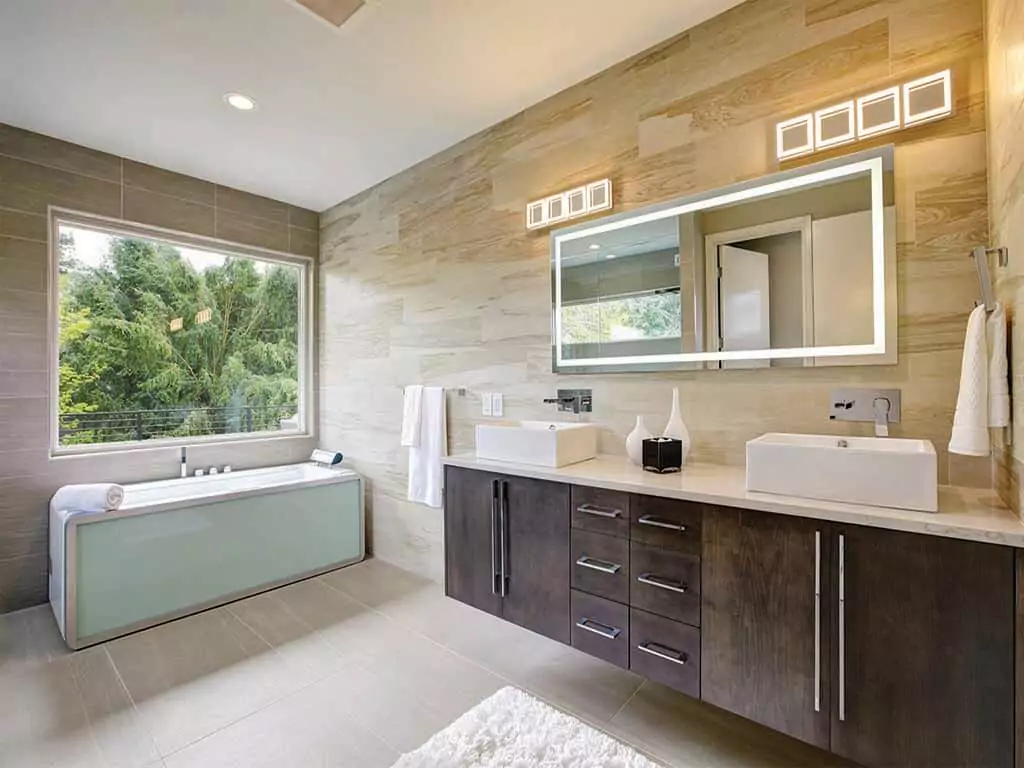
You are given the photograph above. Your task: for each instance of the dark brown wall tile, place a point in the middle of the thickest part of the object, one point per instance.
(29, 226)
(250, 230)
(155, 179)
(55, 153)
(145, 207)
(304, 242)
(251, 205)
(300, 217)
(31, 187)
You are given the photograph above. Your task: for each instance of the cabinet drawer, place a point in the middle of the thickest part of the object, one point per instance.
(665, 582)
(666, 523)
(600, 565)
(601, 511)
(665, 651)
(600, 628)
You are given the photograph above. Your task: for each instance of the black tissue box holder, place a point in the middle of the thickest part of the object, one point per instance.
(662, 455)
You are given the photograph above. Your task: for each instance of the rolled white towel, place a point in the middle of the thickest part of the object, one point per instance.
(97, 497)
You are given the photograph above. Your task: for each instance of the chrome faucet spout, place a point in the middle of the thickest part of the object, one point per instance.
(882, 406)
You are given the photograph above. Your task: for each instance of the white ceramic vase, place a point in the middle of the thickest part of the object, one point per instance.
(676, 428)
(635, 441)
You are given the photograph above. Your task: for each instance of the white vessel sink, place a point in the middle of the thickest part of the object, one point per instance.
(546, 443)
(878, 471)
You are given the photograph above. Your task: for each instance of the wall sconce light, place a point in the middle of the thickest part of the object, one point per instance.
(878, 112)
(834, 125)
(593, 197)
(795, 137)
(928, 98)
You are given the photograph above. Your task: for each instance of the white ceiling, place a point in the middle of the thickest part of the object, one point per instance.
(339, 110)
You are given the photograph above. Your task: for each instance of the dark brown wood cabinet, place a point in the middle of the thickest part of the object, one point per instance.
(765, 626)
(507, 548)
(924, 650)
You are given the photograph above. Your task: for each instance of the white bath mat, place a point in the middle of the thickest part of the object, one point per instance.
(512, 729)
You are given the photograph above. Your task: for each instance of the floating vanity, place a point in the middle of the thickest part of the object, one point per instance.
(886, 636)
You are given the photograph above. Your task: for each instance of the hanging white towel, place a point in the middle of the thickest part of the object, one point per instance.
(970, 422)
(998, 371)
(412, 410)
(426, 478)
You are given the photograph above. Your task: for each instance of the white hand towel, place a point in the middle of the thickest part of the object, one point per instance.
(970, 422)
(998, 372)
(426, 477)
(412, 410)
(99, 497)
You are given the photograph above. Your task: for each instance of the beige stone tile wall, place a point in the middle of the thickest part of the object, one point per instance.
(432, 277)
(36, 172)
(1005, 43)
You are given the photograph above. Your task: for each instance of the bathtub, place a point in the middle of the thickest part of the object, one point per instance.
(177, 547)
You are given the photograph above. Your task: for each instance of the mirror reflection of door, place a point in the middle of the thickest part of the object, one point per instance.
(744, 300)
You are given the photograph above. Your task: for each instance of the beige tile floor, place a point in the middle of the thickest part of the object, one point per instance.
(349, 669)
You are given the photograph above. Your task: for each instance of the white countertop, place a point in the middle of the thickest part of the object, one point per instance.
(973, 514)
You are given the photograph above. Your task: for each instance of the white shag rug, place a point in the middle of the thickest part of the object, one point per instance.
(512, 729)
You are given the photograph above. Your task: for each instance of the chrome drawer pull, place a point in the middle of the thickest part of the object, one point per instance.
(661, 583)
(592, 509)
(657, 523)
(598, 565)
(604, 630)
(663, 652)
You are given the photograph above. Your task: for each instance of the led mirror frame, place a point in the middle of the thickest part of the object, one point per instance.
(875, 162)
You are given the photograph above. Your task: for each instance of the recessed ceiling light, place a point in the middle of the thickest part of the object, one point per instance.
(239, 101)
(595, 247)
(609, 255)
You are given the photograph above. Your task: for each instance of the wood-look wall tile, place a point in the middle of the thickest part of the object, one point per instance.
(23, 581)
(244, 203)
(251, 230)
(24, 265)
(27, 226)
(23, 352)
(303, 242)
(30, 187)
(23, 313)
(23, 384)
(145, 207)
(827, 10)
(301, 217)
(155, 179)
(36, 148)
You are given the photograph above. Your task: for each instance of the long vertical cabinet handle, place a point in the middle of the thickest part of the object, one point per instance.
(503, 506)
(495, 573)
(817, 621)
(842, 628)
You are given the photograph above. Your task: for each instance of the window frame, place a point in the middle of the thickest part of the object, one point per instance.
(63, 216)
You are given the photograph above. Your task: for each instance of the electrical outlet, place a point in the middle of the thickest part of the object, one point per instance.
(497, 404)
(487, 406)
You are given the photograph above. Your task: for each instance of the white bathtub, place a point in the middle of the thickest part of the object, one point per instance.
(180, 546)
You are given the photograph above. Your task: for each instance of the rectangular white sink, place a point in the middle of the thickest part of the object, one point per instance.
(877, 471)
(545, 443)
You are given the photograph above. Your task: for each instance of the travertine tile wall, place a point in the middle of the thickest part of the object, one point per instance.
(35, 172)
(432, 277)
(1005, 41)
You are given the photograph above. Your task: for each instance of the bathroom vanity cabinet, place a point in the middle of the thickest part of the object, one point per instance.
(885, 647)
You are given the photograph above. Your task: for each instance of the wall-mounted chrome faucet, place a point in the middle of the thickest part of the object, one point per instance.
(573, 400)
(881, 406)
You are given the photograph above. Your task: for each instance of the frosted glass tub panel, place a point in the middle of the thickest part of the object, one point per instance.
(134, 570)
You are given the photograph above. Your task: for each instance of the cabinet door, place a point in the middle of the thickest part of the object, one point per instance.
(470, 538)
(537, 556)
(924, 650)
(764, 620)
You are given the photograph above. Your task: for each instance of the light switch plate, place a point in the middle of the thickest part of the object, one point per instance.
(486, 400)
(497, 404)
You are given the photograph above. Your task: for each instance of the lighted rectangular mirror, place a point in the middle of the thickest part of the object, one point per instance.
(797, 269)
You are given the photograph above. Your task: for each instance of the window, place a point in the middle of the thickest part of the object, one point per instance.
(654, 315)
(160, 340)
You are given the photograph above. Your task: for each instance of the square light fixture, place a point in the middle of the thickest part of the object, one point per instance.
(557, 208)
(599, 195)
(536, 215)
(879, 112)
(577, 201)
(928, 98)
(834, 125)
(795, 137)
